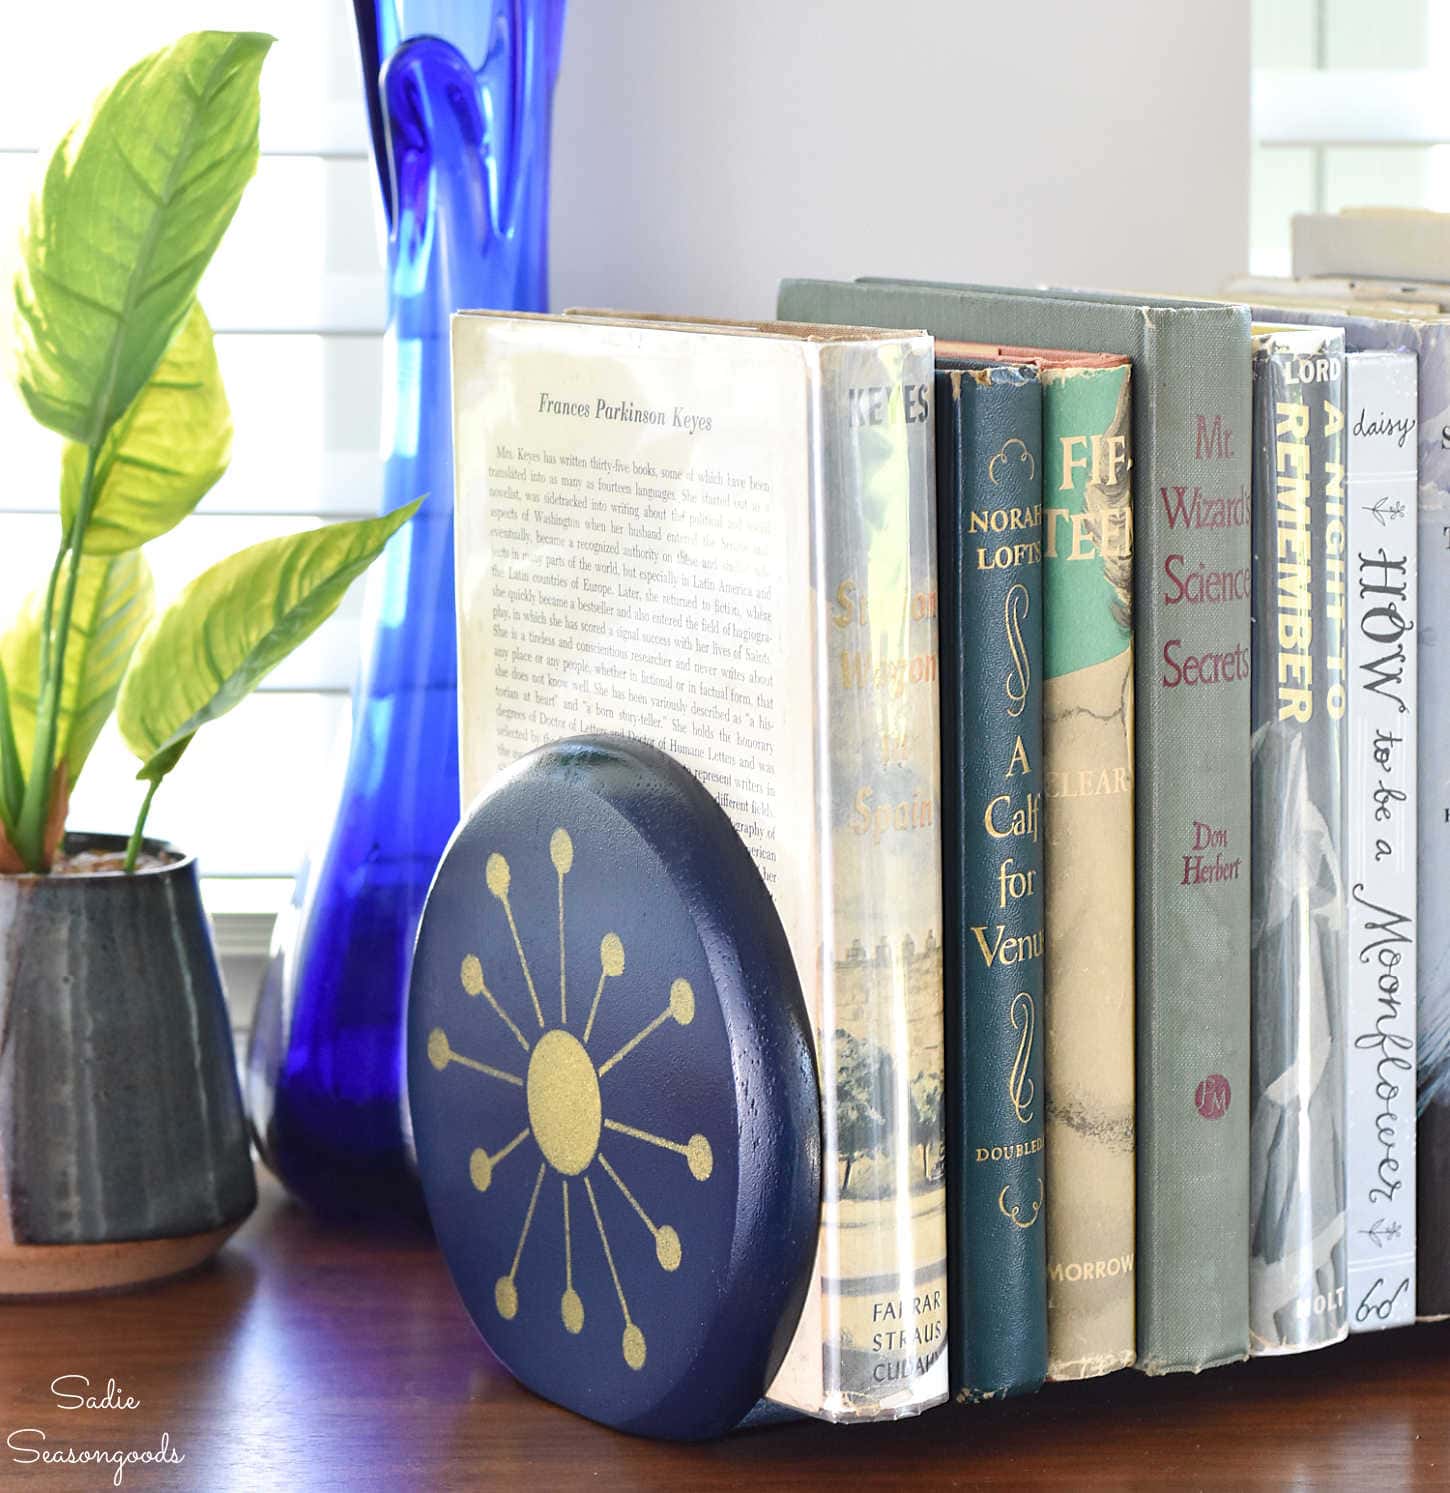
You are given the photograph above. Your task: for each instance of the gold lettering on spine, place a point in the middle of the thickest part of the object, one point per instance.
(1014, 450)
(1012, 1213)
(1020, 1088)
(1019, 676)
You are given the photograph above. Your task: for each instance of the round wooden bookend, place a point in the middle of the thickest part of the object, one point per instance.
(613, 1091)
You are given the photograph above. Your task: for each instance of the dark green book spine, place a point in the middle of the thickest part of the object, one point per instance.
(989, 504)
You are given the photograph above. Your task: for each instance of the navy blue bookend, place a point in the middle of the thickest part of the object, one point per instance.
(613, 1091)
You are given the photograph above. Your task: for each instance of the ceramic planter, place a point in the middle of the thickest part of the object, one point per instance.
(123, 1149)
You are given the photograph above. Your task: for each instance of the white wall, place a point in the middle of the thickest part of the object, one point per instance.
(703, 149)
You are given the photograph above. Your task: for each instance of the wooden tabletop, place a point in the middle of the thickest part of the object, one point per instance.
(311, 1357)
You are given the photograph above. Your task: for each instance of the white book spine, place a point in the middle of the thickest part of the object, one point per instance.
(1381, 838)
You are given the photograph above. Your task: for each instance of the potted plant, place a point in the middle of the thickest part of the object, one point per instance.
(123, 1149)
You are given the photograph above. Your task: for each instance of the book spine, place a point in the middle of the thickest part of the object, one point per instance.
(883, 1258)
(1297, 1267)
(1432, 1294)
(1191, 613)
(1088, 746)
(1380, 836)
(990, 459)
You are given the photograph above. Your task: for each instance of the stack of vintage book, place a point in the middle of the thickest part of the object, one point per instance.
(1056, 658)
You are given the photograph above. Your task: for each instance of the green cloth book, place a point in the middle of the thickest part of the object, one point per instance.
(1191, 440)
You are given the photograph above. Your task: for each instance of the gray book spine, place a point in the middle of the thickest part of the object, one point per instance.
(1192, 442)
(1297, 1266)
(1191, 611)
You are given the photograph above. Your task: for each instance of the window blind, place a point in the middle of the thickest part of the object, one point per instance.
(296, 296)
(1351, 108)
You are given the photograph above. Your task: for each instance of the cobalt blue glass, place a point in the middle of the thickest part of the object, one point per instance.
(459, 99)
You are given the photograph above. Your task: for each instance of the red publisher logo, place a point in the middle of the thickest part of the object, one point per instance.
(1212, 1097)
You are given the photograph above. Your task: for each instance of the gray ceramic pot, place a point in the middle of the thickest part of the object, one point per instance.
(123, 1150)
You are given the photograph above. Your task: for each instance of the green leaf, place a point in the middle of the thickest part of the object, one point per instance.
(114, 602)
(234, 624)
(160, 459)
(135, 201)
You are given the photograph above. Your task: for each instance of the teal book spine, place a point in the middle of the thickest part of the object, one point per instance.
(989, 463)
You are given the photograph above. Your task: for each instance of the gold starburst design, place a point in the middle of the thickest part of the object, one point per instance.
(565, 1104)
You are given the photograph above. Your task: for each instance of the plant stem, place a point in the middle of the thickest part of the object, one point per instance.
(12, 777)
(133, 845)
(35, 808)
(48, 617)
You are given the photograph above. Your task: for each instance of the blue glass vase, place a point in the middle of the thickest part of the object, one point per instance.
(459, 101)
